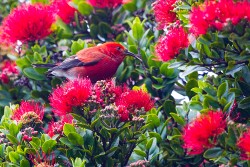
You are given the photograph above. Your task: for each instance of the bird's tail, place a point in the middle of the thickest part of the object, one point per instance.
(43, 65)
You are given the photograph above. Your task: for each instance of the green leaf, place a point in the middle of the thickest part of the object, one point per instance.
(231, 138)
(14, 157)
(93, 30)
(245, 88)
(79, 118)
(32, 74)
(137, 29)
(48, 146)
(78, 162)
(7, 112)
(2, 150)
(75, 138)
(213, 153)
(65, 141)
(192, 83)
(169, 106)
(233, 68)
(30, 151)
(36, 143)
(177, 148)
(195, 105)
(14, 129)
(245, 103)
(190, 69)
(94, 123)
(153, 63)
(38, 57)
(176, 64)
(184, 7)
(68, 128)
(168, 72)
(77, 46)
(23, 62)
(24, 163)
(154, 147)
(222, 90)
(130, 7)
(210, 101)
(12, 139)
(149, 143)
(158, 87)
(84, 8)
(111, 151)
(178, 119)
(207, 50)
(104, 28)
(156, 135)
(204, 40)
(140, 153)
(174, 137)
(153, 120)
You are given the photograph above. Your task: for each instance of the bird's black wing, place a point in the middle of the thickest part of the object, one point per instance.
(72, 62)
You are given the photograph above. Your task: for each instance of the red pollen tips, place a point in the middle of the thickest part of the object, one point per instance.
(163, 11)
(170, 45)
(107, 3)
(27, 23)
(243, 144)
(29, 112)
(63, 10)
(71, 94)
(203, 132)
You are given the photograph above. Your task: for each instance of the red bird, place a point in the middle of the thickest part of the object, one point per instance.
(97, 63)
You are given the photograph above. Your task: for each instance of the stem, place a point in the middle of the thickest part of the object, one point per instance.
(131, 149)
(219, 63)
(186, 116)
(103, 140)
(240, 50)
(180, 85)
(186, 2)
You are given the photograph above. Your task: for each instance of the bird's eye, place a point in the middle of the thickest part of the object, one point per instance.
(118, 48)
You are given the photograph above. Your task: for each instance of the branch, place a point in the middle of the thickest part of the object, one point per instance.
(221, 63)
(131, 149)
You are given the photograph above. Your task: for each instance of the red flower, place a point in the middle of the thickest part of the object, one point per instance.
(64, 10)
(217, 14)
(10, 67)
(133, 100)
(164, 14)
(243, 144)
(3, 37)
(170, 45)
(71, 94)
(202, 133)
(123, 113)
(41, 159)
(4, 78)
(57, 127)
(106, 92)
(106, 3)
(29, 112)
(7, 71)
(28, 23)
(199, 26)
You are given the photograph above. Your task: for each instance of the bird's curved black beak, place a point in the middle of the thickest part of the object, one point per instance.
(126, 52)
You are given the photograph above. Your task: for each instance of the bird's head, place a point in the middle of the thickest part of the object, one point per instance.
(117, 51)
